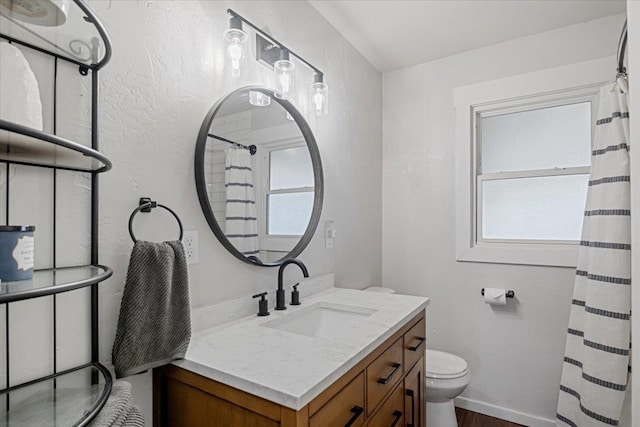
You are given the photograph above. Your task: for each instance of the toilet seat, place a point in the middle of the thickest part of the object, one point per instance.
(441, 365)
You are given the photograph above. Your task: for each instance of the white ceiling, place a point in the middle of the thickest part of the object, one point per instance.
(400, 33)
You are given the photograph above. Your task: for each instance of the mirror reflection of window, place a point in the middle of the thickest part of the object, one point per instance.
(290, 194)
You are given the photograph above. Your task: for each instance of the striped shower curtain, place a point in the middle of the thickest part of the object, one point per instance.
(241, 224)
(596, 369)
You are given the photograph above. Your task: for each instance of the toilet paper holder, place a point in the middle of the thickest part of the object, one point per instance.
(510, 294)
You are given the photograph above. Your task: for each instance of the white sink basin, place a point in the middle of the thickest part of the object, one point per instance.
(323, 320)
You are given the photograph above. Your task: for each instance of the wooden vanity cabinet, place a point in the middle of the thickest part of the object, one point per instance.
(385, 389)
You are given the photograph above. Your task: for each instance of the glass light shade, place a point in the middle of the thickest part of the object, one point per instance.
(259, 99)
(285, 78)
(319, 99)
(236, 50)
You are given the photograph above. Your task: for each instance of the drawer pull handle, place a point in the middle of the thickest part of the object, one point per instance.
(357, 411)
(410, 393)
(396, 417)
(395, 366)
(417, 346)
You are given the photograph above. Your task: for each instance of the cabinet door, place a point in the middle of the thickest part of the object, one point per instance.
(192, 407)
(415, 405)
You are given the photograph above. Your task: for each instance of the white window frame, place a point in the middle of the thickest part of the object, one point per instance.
(552, 87)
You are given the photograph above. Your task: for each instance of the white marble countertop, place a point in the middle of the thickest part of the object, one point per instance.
(292, 369)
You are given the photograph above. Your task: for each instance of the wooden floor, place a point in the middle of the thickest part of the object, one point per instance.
(473, 419)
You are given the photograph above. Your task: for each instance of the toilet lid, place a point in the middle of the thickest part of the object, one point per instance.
(445, 365)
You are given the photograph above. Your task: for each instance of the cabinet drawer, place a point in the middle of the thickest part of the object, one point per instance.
(383, 374)
(344, 409)
(391, 413)
(414, 344)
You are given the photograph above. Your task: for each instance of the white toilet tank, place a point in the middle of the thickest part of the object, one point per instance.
(380, 289)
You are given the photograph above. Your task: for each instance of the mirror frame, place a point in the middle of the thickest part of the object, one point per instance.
(201, 184)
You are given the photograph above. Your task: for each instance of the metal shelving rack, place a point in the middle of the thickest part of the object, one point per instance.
(73, 396)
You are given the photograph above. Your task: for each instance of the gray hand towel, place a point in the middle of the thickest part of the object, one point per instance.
(154, 326)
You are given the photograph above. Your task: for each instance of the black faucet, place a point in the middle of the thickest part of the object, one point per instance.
(280, 305)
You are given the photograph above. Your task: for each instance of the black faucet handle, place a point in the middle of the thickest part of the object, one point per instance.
(263, 304)
(295, 295)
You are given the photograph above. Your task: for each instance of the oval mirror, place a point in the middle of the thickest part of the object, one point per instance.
(259, 176)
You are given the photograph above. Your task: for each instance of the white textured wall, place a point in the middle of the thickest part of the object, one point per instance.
(515, 354)
(633, 56)
(165, 74)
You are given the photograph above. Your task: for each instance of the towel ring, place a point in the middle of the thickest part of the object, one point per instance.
(146, 204)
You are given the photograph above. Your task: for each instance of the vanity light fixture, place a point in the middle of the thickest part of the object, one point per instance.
(259, 99)
(284, 70)
(274, 54)
(235, 46)
(319, 96)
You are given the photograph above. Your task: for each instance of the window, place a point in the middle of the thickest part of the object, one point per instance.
(290, 193)
(532, 173)
(523, 148)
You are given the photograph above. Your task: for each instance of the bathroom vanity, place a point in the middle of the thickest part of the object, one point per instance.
(342, 358)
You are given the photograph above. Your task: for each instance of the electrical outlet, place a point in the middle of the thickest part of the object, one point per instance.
(329, 234)
(190, 243)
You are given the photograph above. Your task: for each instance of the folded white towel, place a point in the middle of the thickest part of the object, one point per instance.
(19, 93)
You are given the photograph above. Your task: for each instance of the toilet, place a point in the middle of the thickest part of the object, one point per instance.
(446, 377)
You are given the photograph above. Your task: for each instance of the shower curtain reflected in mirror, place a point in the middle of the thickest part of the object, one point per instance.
(241, 223)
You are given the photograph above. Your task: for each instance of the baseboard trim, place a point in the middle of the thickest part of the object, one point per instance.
(503, 413)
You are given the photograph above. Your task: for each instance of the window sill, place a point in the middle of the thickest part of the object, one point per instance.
(521, 254)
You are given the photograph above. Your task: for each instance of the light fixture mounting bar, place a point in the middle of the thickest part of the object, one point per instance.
(266, 52)
(274, 41)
